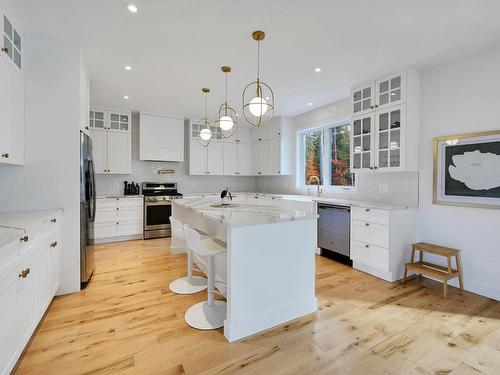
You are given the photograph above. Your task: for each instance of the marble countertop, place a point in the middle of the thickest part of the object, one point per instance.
(13, 224)
(119, 196)
(310, 198)
(243, 213)
(347, 202)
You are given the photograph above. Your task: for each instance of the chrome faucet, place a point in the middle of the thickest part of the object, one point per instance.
(311, 179)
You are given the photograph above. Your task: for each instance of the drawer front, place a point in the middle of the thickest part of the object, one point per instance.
(370, 233)
(106, 215)
(130, 203)
(130, 214)
(371, 215)
(106, 203)
(104, 230)
(373, 256)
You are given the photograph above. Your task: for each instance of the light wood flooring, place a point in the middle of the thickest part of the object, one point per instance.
(128, 322)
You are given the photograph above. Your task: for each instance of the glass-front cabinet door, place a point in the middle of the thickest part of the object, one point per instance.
(362, 99)
(96, 119)
(390, 136)
(390, 91)
(362, 142)
(12, 40)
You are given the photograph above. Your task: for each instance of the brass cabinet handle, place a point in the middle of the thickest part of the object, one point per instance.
(6, 156)
(375, 167)
(24, 239)
(376, 105)
(5, 49)
(367, 209)
(53, 244)
(367, 224)
(259, 172)
(367, 246)
(117, 223)
(371, 107)
(54, 220)
(371, 167)
(24, 273)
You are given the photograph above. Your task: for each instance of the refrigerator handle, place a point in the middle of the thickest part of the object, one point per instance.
(92, 191)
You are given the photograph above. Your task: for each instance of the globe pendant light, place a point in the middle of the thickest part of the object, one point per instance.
(204, 128)
(258, 97)
(226, 117)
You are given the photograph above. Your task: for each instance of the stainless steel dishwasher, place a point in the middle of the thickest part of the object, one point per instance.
(334, 227)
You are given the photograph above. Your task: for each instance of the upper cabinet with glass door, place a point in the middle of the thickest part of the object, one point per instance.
(110, 120)
(12, 39)
(390, 141)
(379, 94)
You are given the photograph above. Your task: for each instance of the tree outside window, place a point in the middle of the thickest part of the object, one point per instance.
(329, 160)
(313, 153)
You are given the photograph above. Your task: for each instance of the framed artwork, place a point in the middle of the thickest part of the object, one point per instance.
(467, 170)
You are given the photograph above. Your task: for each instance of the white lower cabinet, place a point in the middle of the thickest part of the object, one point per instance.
(381, 239)
(29, 279)
(118, 219)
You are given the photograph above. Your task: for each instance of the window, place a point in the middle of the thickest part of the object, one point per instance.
(325, 153)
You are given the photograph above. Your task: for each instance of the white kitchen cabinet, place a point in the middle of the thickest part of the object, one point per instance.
(197, 158)
(161, 138)
(215, 158)
(119, 152)
(12, 39)
(271, 148)
(381, 239)
(12, 110)
(118, 219)
(29, 278)
(110, 132)
(362, 98)
(385, 123)
(237, 154)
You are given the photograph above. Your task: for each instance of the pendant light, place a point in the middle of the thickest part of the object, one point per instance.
(204, 128)
(226, 116)
(258, 97)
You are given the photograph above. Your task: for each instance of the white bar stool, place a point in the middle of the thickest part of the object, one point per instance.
(208, 314)
(189, 284)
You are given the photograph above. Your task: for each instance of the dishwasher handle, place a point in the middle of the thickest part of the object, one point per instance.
(333, 207)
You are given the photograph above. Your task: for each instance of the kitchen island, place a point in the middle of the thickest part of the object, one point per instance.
(270, 260)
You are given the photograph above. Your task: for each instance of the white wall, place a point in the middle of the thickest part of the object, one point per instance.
(402, 187)
(146, 171)
(461, 96)
(50, 178)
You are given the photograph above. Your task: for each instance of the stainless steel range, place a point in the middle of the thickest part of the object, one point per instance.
(158, 208)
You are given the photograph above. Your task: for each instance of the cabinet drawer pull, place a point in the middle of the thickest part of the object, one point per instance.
(54, 220)
(24, 273)
(5, 49)
(24, 239)
(367, 246)
(5, 156)
(53, 244)
(117, 223)
(371, 107)
(376, 105)
(367, 209)
(367, 224)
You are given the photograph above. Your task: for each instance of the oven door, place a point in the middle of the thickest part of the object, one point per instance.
(157, 215)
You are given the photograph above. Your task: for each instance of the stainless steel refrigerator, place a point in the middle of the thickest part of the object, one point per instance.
(87, 209)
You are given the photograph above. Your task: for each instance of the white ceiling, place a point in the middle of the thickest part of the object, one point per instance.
(177, 47)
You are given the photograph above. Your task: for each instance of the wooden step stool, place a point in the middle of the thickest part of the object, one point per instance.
(433, 270)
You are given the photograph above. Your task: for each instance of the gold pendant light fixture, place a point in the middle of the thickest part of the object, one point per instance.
(204, 128)
(226, 116)
(258, 97)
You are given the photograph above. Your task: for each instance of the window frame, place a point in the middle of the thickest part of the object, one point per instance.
(325, 156)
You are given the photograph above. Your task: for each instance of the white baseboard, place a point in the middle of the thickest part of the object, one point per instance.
(117, 239)
(271, 319)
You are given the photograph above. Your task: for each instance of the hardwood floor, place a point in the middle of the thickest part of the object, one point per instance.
(128, 322)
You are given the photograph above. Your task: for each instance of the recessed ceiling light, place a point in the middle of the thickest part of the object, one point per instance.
(132, 8)
(125, 97)
(317, 70)
(309, 104)
(128, 67)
